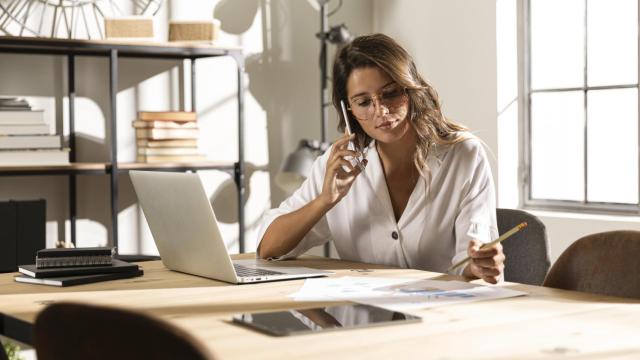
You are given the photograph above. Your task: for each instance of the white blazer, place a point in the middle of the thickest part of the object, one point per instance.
(435, 228)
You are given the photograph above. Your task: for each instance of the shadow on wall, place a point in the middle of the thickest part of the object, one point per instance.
(224, 199)
(277, 82)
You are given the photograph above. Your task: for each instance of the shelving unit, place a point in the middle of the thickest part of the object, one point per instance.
(73, 48)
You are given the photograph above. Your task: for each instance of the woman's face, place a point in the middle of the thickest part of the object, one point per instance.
(378, 103)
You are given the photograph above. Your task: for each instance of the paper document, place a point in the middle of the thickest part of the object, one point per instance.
(346, 287)
(399, 294)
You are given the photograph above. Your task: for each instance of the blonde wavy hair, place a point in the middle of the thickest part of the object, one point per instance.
(425, 114)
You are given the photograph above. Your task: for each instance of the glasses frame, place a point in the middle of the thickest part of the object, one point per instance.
(377, 101)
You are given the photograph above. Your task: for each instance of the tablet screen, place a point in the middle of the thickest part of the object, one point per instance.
(339, 317)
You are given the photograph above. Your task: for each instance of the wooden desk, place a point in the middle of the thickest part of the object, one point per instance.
(546, 324)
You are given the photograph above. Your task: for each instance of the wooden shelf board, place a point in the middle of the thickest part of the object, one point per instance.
(74, 168)
(178, 166)
(103, 47)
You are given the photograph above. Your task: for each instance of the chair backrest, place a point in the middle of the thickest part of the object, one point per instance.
(3, 353)
(527, 251)
(79, 331)
(604, 263)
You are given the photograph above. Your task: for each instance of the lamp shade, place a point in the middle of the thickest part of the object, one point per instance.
(339, 35)
(297, 166)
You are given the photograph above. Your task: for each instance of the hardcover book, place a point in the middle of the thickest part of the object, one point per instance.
(34, 157)
(141, 143)
(168, 151)
(170, 158)
(78, 279)
(14, 103)
(167, 115)
(158, 134)
(24, 142)
(22, 117)
(157, 124)
(24, 129)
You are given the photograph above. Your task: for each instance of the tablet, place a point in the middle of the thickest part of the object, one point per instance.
(305, 321)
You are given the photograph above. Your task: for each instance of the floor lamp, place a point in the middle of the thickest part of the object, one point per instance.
(297, 166)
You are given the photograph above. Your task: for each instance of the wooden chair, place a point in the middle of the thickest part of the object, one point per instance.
(604, 263)
(527, 251)
(77, 331)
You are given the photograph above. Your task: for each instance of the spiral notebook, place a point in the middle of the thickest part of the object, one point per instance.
(61, 257)
(118, 266)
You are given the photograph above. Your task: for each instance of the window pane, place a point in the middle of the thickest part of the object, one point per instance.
(612, 42)
(612, 142)
(557, 146)
(557, 43)
(508, 191)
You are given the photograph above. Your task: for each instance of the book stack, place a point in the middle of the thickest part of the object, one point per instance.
(66, 267)
(167, 136)
(25, 137)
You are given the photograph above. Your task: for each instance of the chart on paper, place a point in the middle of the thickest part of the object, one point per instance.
(399, 293)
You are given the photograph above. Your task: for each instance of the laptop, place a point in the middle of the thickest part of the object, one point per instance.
(186, 232)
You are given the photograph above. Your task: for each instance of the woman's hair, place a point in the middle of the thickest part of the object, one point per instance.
(425, 114)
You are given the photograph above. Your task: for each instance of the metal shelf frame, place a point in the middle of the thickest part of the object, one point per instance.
(73, 48)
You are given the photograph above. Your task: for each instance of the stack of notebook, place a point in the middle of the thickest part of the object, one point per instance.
(65, 267)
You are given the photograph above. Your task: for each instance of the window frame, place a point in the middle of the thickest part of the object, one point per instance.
(525, 91)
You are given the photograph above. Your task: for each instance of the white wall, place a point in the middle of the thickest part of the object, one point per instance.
(453, 43)
(565, 228)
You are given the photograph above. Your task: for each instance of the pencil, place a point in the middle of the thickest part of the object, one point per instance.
(502, 238)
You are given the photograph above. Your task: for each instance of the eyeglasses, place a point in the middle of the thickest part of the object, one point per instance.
(392, 97)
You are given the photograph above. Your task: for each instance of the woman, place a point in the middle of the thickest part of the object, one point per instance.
(424, 198)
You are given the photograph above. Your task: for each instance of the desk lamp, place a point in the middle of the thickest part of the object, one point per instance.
(297, 166)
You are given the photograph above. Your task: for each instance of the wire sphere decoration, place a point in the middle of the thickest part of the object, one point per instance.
(67, 19)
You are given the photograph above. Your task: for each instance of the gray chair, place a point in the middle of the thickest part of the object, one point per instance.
(604, 263)
(527, 251)
(79, 331)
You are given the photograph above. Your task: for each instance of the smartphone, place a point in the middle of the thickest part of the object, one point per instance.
(351, 146)
(331, 318)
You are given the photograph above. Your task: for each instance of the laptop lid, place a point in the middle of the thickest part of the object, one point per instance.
(183, 224)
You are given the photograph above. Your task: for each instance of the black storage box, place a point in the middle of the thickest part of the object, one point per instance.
(22, 232)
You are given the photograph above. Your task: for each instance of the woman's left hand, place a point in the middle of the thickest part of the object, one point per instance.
(486, 263)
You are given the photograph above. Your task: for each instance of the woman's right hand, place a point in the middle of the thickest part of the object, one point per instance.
(287, 230)
(337, 181)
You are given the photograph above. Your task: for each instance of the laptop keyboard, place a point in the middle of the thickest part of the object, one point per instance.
(243, 271)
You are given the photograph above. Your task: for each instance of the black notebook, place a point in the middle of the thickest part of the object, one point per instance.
(62, 257)
(117, 266)
(78, 279)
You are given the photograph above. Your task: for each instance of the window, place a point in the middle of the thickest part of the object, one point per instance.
(581, 109)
